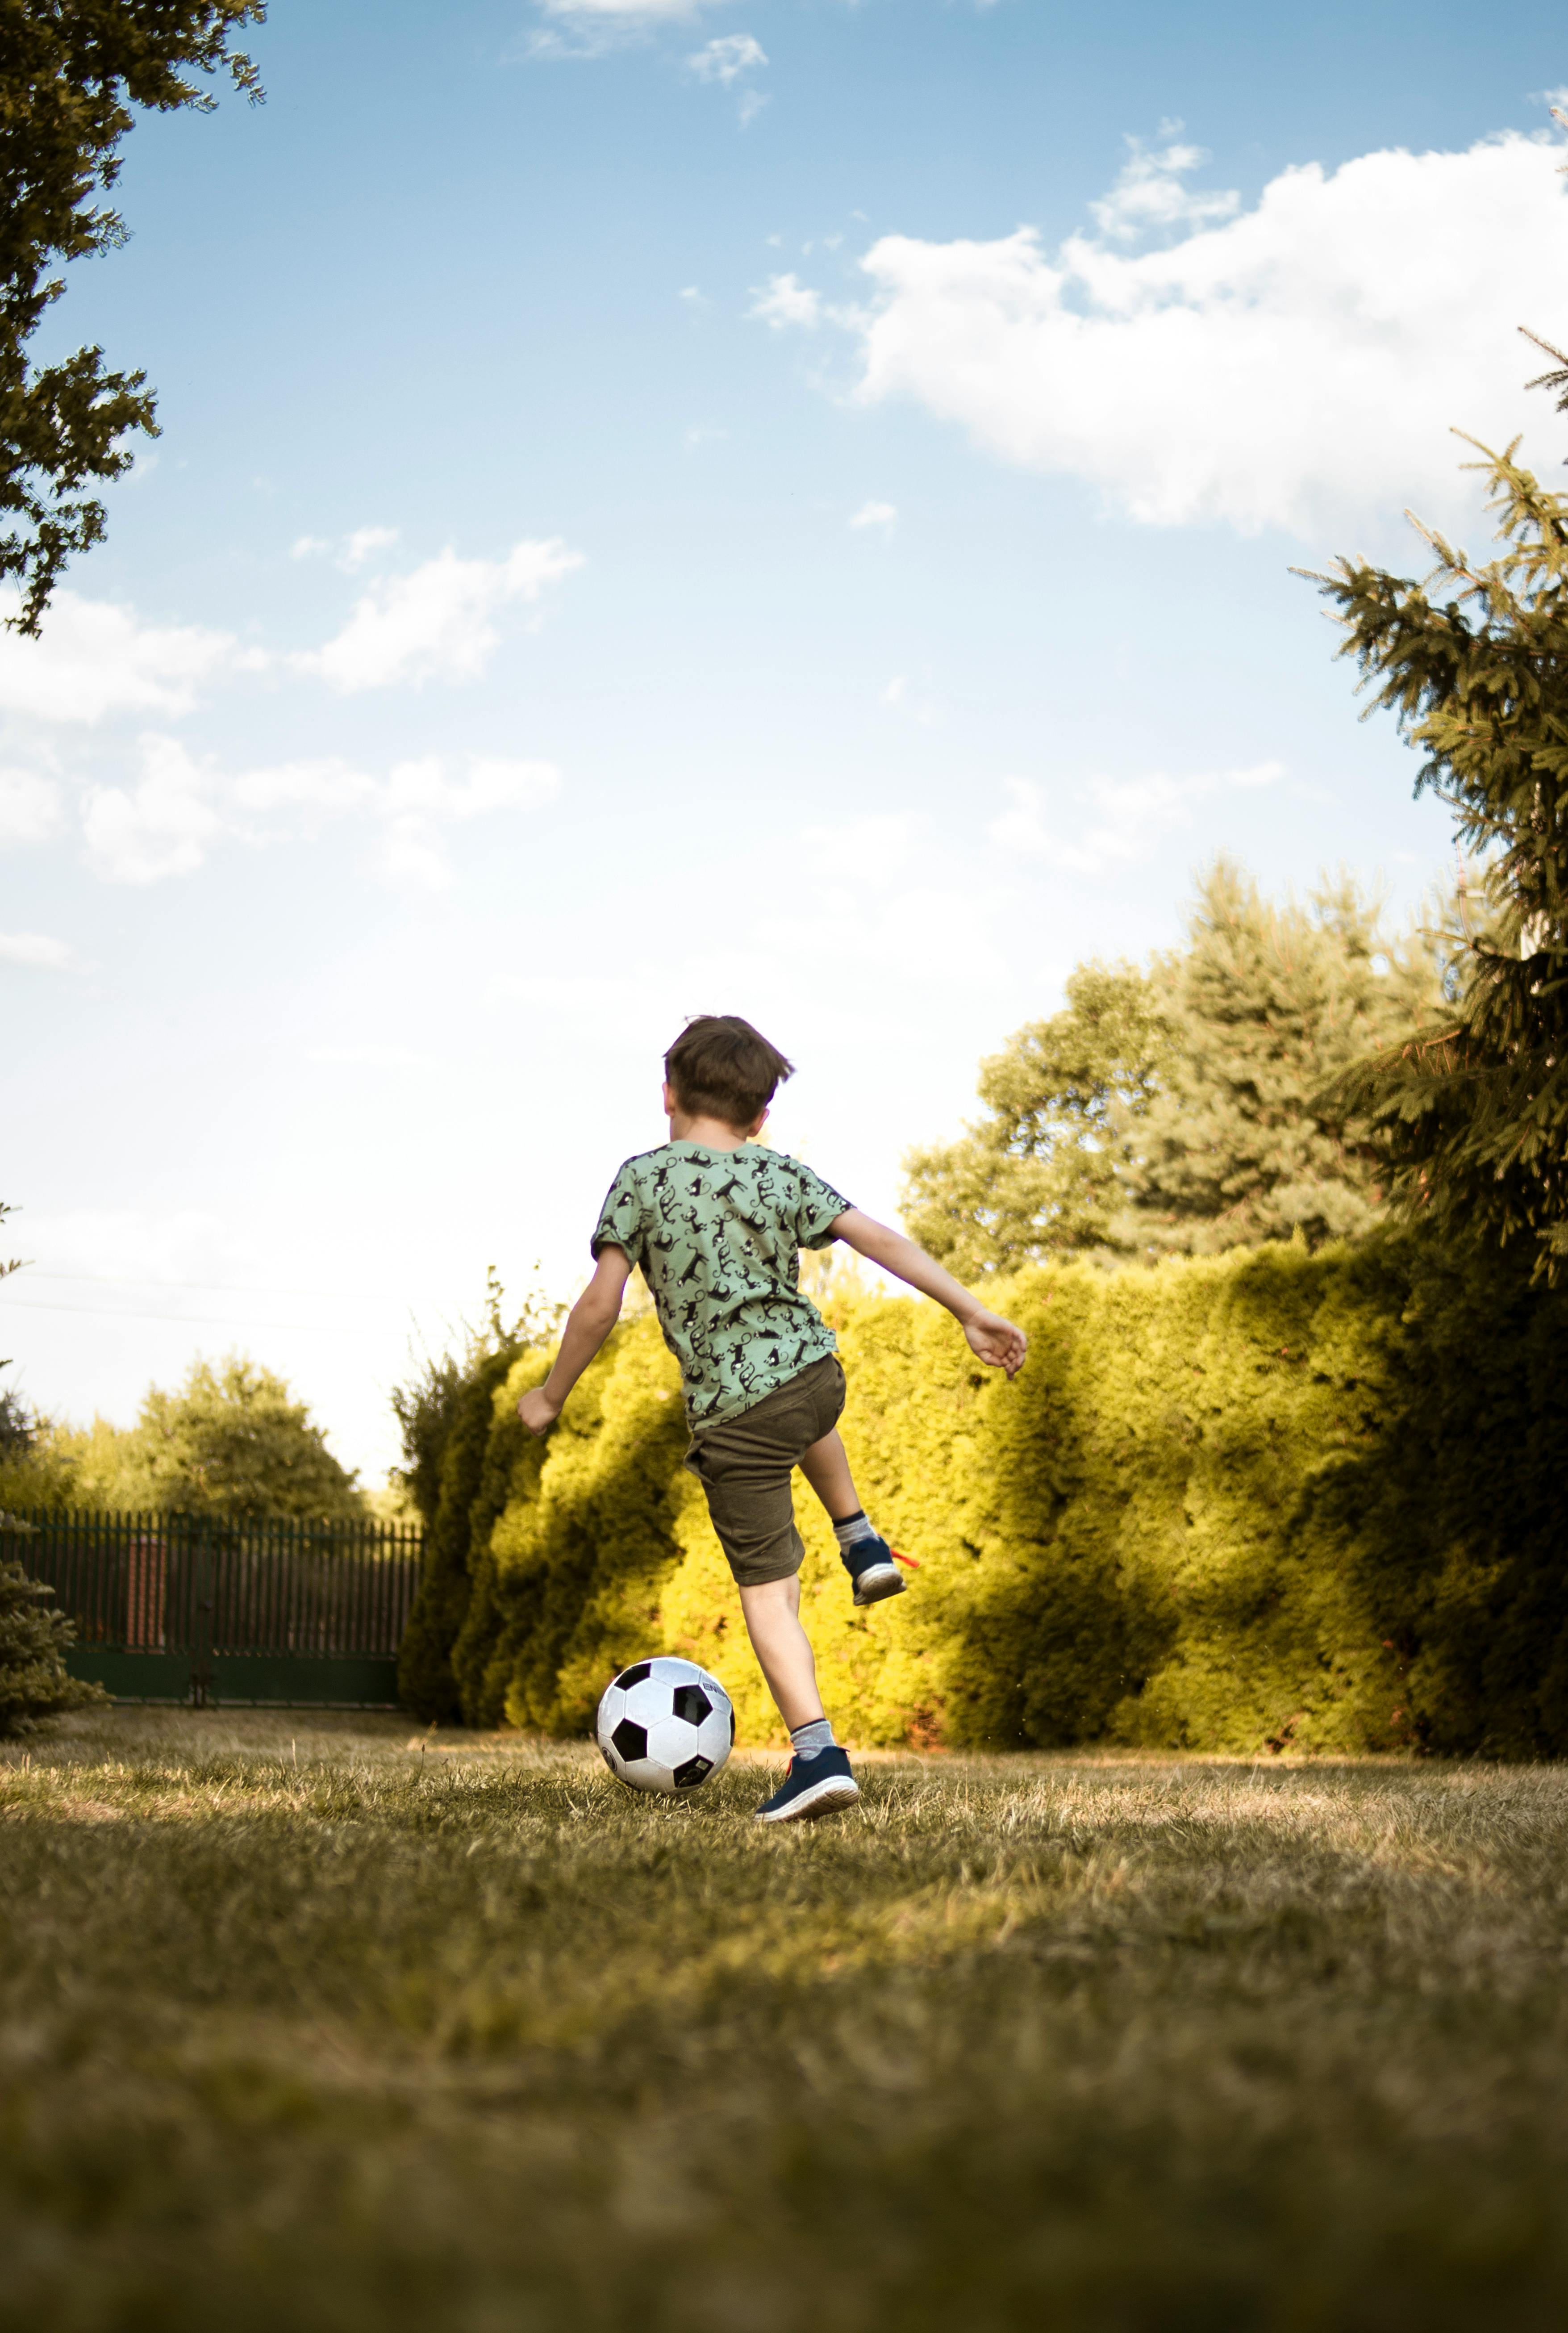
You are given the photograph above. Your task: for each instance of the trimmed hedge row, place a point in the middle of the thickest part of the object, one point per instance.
(1261, 1500)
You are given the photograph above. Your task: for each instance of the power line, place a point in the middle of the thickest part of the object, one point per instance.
(190, 1319)
(208, 1287)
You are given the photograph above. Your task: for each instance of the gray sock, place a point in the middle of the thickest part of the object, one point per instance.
(853, 1528)
(807, 1740)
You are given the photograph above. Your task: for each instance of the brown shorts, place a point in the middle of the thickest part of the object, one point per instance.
(744, 1464)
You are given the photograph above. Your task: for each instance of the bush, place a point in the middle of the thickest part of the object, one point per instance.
(1234, 1503)
(34, 1684)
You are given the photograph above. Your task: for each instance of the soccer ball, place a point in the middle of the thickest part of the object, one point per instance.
(664, 1725)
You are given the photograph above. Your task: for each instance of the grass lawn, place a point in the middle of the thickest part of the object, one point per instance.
(301, 2026)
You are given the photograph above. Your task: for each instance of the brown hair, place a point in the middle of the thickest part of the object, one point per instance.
(720, 1067)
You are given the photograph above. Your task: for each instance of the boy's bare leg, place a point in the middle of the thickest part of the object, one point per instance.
(826, 1466)
(783, 1648)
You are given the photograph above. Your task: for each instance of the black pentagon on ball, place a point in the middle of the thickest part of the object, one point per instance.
(690, 1702)
(631, 1740)
(629, 1678)
(695, 1770)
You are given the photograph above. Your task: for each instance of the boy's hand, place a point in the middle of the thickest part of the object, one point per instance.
(996, 1341)
(538, 1412)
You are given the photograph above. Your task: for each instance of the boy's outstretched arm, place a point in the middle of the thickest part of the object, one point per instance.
(995, 1341)
(588, 1324)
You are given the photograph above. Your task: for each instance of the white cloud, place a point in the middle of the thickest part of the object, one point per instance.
(1300, 365)
(434, 622)
(420, 794)
(144, 1250)
(955, 955)
(589, 28)
(897, 698)
(325, 787)
(29, 807)
(166, 823)
(883, 514)
(1149, 194)
(348, 552)
(875, 848)
(642, 11)
(784, 302)
(162, 826)
(423, 788)
(94, 658)
(727, 59)
(35, 950)
(410, 855)
(1129, 816)
(366, 1057)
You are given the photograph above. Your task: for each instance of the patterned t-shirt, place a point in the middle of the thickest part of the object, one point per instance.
(718, 1234)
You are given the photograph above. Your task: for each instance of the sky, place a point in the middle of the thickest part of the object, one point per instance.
(782, 508)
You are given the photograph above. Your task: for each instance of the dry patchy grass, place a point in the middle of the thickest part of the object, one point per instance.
(308, 2026)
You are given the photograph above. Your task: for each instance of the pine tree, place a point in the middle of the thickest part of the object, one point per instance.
(1179, 1108)
(1474, 662)
(1038, 1176)
(1262, 1010)
(33, 1681)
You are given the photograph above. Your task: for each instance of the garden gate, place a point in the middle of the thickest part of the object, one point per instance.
(269, 1613)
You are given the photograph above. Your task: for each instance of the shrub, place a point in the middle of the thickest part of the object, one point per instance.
(34, 1684)
(1237, 1503)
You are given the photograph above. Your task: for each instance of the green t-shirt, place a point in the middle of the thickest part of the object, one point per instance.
(718, 1234)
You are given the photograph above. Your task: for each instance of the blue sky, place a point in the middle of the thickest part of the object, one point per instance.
(781, 508)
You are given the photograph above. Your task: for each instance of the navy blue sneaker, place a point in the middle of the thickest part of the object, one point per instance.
(812, 1787)
(870, 1565)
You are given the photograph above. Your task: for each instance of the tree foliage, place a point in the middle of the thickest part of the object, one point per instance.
(70, 72)
(453, 1475)
(1252, 1502)
(1038, 1175)
(1473, 1107)
(232, 1441)
(1180, 1108)
(1263, 1009)
(33, 1641)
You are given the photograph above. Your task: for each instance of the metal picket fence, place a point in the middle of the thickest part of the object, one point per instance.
(266, 1613)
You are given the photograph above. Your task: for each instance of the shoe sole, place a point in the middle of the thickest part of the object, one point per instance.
(882, 1581)
(823, 1799)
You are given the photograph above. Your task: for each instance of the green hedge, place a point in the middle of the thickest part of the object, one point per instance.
(1262, 1500)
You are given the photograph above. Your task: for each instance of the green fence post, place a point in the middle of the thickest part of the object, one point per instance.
(201, 1651)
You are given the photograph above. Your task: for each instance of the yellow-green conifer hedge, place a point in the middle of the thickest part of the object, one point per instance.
(1238, 1503)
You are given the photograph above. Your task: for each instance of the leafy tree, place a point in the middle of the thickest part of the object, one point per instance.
(30, 1476)
(1178, 1108)
(70, 72)
(33, 1641)
(1263, 1009)
(1473, 1107)
(1040, 1174)
(233, 1441)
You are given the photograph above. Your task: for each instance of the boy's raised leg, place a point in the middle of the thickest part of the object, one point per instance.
(863, 1552)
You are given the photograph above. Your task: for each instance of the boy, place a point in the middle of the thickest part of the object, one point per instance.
(717, 1222)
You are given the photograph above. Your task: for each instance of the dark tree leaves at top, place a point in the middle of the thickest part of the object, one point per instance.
(70, 72)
